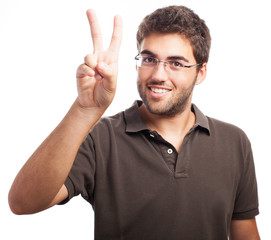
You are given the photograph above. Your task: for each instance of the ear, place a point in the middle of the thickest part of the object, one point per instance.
(201, 74)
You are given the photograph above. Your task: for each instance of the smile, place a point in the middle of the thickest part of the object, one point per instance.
(159, 90)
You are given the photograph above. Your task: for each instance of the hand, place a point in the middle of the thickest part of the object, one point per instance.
(97, 77)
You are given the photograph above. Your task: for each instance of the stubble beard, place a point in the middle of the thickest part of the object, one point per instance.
(172, 107)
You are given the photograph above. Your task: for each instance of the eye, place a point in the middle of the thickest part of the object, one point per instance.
(176, 64)
(148, 59)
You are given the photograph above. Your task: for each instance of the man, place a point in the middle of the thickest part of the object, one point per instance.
(160, 169)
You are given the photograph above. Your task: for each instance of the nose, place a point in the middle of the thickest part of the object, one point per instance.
(160, 72)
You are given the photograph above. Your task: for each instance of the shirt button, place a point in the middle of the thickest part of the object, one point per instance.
(169, 151)
(152, 135)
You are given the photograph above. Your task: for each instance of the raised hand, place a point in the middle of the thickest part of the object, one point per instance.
(40, 183)
(97, 77)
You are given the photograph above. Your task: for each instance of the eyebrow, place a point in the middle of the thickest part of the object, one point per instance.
(169, 57)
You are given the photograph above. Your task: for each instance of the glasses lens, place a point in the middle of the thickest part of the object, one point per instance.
(146, 61)
(175, 65)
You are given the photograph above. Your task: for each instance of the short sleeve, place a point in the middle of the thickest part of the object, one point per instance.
(246, 203)
(81, 177)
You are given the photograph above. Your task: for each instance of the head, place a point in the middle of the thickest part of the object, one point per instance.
(173, 32)
(181, 20)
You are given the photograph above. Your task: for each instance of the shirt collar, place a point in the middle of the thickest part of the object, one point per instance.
(135, 123)
(201, 119)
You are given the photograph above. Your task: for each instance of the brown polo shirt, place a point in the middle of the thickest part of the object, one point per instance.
(140, 187)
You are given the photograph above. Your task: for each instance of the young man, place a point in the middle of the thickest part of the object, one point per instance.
(160, 169)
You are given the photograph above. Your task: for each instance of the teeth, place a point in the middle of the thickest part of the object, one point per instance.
(159, 90)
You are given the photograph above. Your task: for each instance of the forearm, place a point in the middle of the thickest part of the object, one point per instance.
(44, 173)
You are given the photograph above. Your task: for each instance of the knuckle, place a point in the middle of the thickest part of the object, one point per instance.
(116, 37)
(82, 70)
(96, 35)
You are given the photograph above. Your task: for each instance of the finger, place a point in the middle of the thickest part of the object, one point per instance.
(91, 60)
(117, 35)
(84, 70)
(105, 70)
(108, 73)
(95, 31)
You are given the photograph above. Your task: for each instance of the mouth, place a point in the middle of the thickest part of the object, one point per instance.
(158, 91)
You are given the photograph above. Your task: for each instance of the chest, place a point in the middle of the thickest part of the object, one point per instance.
(137, 190)
(152, 169)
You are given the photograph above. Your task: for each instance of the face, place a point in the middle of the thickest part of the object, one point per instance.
(166, 92)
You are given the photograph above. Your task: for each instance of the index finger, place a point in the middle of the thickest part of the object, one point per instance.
(95, 31)
(116, 35)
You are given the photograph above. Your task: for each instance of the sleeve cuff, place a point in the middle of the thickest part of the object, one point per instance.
(245, 215)
(70, 187)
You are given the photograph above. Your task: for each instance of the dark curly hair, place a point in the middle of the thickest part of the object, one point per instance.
(182, 20)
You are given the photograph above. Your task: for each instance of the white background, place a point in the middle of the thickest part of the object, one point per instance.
(43, 42)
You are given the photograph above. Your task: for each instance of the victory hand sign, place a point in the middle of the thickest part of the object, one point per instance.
(40, 183)
(97, 77)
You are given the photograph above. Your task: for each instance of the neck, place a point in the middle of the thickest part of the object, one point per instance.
(171, 128)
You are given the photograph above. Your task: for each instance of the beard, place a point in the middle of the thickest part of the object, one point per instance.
(174, 106)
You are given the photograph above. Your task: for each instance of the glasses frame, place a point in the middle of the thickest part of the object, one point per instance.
(138, 56)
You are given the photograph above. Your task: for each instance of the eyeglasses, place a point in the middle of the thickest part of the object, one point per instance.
(147, 61)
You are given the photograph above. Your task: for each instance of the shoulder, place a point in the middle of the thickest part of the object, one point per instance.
(227, 132)
(122, 122)
(219, 125)
(109, 124)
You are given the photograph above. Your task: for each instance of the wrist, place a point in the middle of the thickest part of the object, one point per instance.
(89, 114)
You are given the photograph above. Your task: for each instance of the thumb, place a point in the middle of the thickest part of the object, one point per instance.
(105, 70)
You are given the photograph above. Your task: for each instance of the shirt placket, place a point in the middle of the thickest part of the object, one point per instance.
(183, 159)
(167, 150)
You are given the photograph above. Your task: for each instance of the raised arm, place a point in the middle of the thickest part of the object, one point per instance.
(40, 182)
